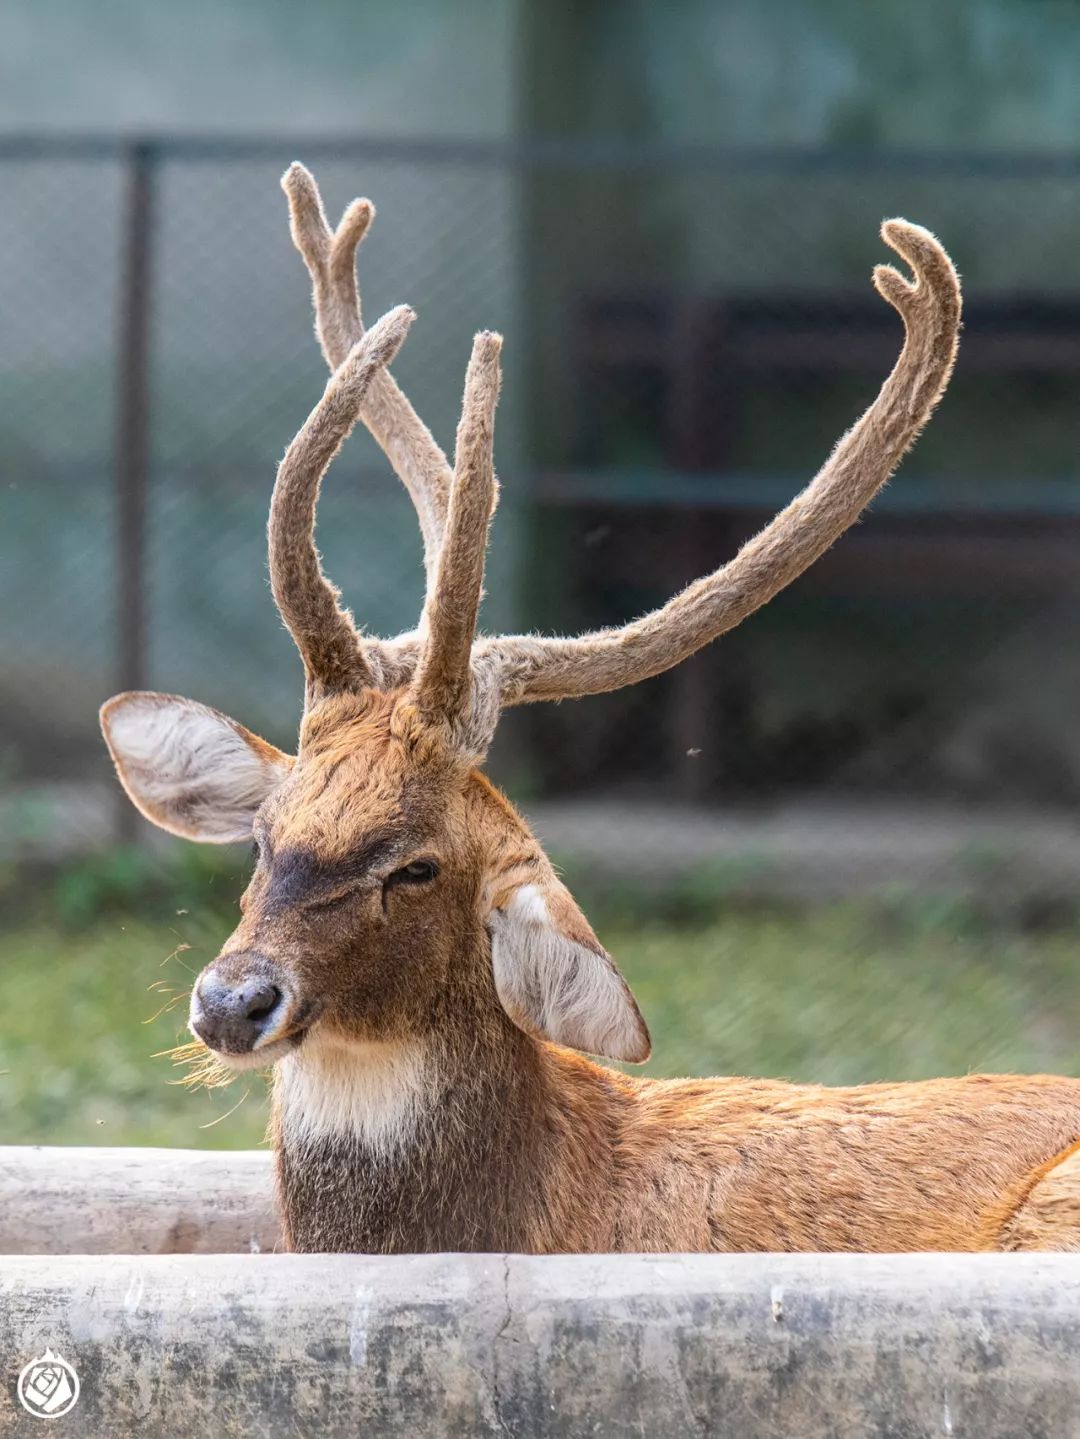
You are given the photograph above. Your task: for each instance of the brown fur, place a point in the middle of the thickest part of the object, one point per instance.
(530, 1147)
(568, 1157)
(422, 951)
(1044, 1210)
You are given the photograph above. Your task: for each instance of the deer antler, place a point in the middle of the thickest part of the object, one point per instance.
(442, 690)
(532, 668)
(325, 634)
(330, 256)
(448, 668)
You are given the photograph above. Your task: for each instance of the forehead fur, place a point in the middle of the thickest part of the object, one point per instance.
(344, 723)
(365, 764)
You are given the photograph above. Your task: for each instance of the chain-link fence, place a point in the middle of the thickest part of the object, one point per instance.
(687, 334)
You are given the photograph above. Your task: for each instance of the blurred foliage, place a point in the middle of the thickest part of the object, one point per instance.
(130, 882)
(97, 969)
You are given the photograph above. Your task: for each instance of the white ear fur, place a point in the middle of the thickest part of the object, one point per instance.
(555, 980)
(189, 768)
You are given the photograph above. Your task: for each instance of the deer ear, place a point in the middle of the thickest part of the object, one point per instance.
(187, 767)
(556, 980)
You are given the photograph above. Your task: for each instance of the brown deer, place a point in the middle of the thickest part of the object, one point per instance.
(410, 964)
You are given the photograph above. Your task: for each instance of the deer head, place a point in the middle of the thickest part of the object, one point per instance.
(396, 894)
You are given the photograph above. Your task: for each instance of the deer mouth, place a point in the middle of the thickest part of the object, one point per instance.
(264, 1054)
(284, 1040)
(287, 1037)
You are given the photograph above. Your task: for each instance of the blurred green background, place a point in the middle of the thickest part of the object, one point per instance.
(95, 981)
(840, 845)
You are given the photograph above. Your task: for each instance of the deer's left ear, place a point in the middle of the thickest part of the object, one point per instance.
(189, 768)
(556, 980)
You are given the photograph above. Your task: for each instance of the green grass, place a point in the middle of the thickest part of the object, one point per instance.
(78, 1038)
(840, 994)
(847, 994)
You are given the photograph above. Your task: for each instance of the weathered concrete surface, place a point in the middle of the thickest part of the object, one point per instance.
(801, 1346)
(135, 1201)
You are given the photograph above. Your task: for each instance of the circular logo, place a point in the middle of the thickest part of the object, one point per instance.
(48, 1387)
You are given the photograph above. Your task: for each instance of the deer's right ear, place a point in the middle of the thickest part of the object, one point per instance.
(189, 768)
(553, 976)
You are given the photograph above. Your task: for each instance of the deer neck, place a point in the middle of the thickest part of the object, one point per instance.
(421, 1144)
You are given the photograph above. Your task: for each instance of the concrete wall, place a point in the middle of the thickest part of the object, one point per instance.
(813, 1346)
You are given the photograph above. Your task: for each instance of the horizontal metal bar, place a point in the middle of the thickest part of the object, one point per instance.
(917, 495)
(561, 154)
(920, 495)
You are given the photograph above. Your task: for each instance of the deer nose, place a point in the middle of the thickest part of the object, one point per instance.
(233, 1016)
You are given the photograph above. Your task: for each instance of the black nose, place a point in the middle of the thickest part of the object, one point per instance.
(233, 1017)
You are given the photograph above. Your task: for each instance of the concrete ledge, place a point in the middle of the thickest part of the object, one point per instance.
(741, 1345)
(136, 1201)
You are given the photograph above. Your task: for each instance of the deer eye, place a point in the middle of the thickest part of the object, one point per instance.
(420, 871)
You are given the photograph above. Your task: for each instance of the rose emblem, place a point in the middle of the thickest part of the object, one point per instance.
(48, 1387)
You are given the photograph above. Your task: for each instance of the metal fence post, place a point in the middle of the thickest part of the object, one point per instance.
(133, 430)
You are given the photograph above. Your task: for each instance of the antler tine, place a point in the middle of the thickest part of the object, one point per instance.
(330, 256)
(324, 633)
(442, 687)
(549, 669)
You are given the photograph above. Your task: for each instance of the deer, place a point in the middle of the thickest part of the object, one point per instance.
(408, 962)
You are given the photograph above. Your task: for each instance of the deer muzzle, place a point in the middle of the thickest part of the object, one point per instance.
(242, 1005)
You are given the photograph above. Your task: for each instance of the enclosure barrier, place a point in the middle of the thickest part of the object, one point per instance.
(657, 1345)
(136, 1201)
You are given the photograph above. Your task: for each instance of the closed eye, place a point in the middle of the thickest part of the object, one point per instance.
(332, 901)
(418, 871)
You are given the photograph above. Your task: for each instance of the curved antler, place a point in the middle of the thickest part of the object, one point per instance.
(442, 688)
(325, 634)
(531, 668)
(330, 256)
